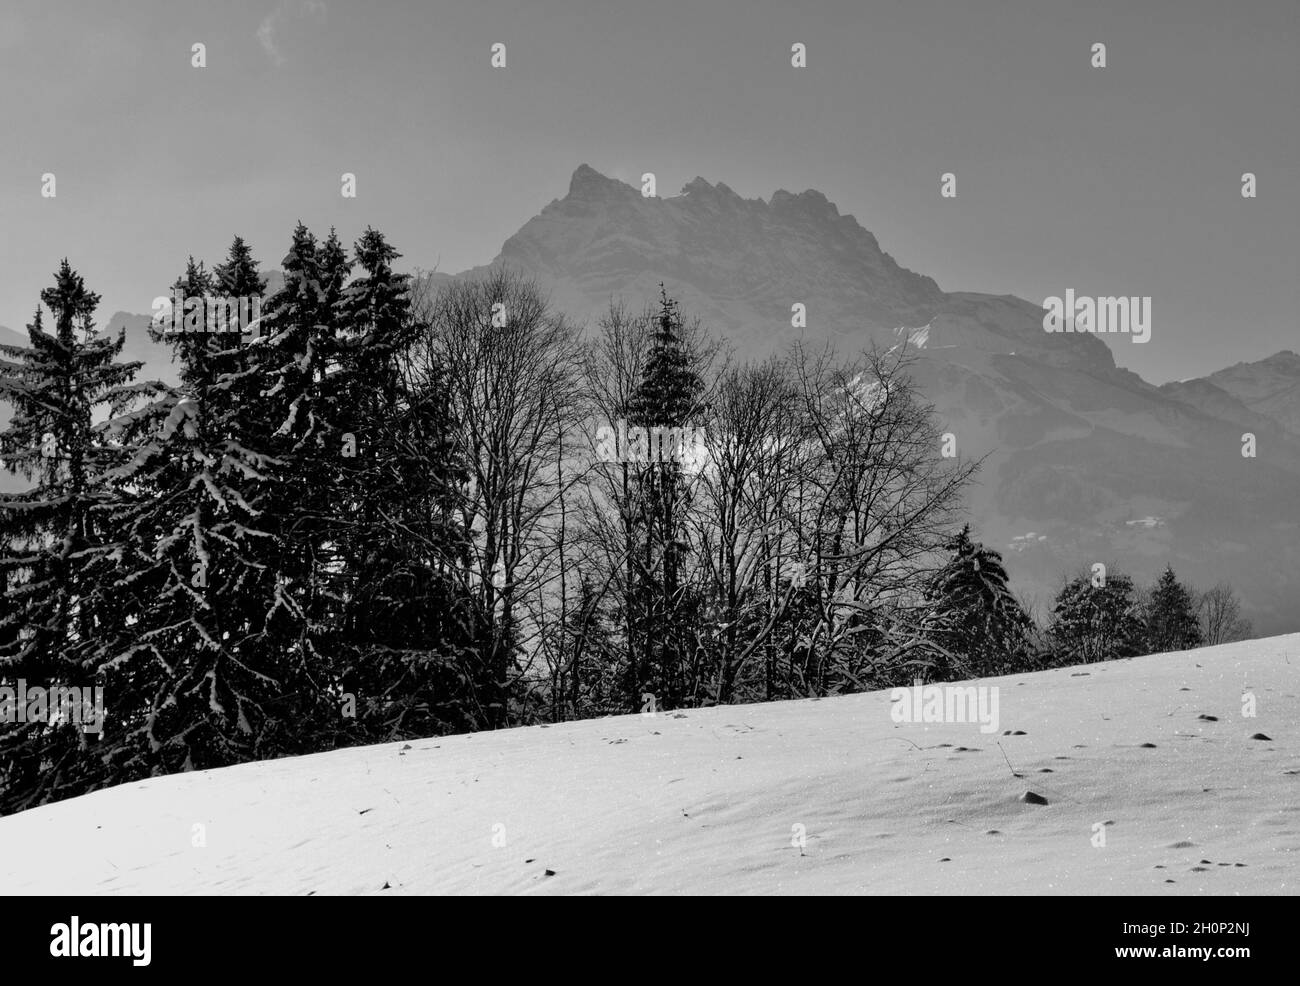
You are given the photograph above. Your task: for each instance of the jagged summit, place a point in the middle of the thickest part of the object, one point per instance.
(719, 193)
(740, 263)
(810, 201)
(587, 182)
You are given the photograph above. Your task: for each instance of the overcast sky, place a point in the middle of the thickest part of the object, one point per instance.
(1122, 180)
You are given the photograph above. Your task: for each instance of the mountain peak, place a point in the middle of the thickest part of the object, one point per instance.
(810, 201)
(587, 182)
(702, 189)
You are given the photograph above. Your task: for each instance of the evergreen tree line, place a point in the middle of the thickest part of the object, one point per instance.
(394, 509)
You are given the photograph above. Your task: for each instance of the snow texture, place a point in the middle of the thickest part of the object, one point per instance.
(1154, 751)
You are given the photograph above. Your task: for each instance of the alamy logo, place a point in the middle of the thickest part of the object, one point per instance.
(624, 443)
(1102, 315)
(195, 314)
(82, 705)
(102, 940)
(946, 703)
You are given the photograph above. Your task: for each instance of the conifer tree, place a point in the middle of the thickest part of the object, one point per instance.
(200, 662)
(668, 398)
(983, 622)
(410, 629)
(237, 276)
(1096, 622)
(1172, 621)
(294, 416)
(58, 541)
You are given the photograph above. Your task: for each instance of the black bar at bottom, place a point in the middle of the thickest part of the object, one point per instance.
(930, 938)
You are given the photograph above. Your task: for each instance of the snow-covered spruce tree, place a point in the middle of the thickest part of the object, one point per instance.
(202, 665)
(1172, 622)
(363, 509)
(980, 622)
(237, 276)
(408, 631)
(1095, 622)
(237, 280)
(58, 539)
(294, 417)
(670, 396)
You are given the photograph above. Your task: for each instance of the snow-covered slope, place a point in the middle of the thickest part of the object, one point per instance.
(1154, 752)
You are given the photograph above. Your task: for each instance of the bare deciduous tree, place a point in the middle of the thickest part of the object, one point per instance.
(512, 368)
(1220, 614)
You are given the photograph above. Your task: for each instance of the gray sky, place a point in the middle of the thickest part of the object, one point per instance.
(1122, 180)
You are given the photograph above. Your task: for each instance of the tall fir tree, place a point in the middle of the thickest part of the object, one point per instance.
(202, 664)
(668, 398)
(412, 633)
(58, 540)
(298, 417)
(1172, 621)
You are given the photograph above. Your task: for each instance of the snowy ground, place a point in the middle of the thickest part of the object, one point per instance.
(710, 801)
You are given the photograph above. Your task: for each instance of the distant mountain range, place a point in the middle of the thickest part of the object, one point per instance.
(1087, 462)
